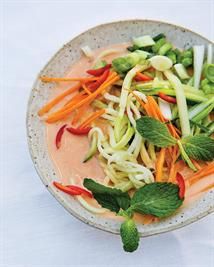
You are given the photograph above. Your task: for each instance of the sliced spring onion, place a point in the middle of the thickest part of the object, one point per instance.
(181, 71)
(209, 54)
(197, 109)
(161, 63)
(181, 102)
(198, 51)
(165, 109)
(87, 51)
(143, 41)
(204, 113)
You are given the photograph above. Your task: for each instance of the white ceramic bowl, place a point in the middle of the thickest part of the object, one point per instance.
(100, 36)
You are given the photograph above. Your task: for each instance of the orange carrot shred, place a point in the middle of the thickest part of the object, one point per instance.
(60, 114)
(75, 98)
(205, 171)
(197, 165)
(86, 89)
(79, 114)
(57, 99)
(138, 99)
(159, 164)
(91, 118)
(67, 79)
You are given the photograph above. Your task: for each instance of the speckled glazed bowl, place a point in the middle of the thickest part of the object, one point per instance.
(104, 35)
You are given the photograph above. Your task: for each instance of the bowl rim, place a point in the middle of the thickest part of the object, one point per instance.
(57, 196)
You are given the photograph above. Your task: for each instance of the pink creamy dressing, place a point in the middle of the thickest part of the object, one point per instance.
(68, 159)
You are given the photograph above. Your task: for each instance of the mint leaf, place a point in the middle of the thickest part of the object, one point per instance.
(199, 147)
(155, 132)
(129, 235)
(158, 199)
(109, 198)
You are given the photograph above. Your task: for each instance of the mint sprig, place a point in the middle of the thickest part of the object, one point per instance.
(199, 147)
(158, 199)
(109, 198)
(129, 235)
(155, 132)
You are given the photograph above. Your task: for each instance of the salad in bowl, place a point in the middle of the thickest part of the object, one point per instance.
(130, 130)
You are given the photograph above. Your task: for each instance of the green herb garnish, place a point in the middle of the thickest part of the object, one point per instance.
(158, 199)
(199, 147)
(109, 198)
(129, 235)
(155, 132)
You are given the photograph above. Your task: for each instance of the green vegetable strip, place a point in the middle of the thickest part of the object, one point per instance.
(127, 85)
(198, 63)
(159, 36)
(164, 49)
(204, 113)
(186, 157)
(197, 109)
(181, 102)
(209, 53)
(125, 139)
(92, 150)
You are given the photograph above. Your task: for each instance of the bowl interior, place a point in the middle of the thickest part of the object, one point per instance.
(100, 36)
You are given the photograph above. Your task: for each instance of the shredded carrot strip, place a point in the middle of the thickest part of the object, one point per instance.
(209, 187)
(205, 171)
(79, 114)
(91, 118)
(76, 98)
(196, 164)
(156, 109)
(67, 79)
(65, 112)
(152, 108)
(159, 164)
(174, 167)
(86, 89)
(57, 99)
(156, 113)
(147, 109)
(138, 99)
(172, 130)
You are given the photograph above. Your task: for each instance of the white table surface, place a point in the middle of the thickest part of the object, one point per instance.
(34, 229)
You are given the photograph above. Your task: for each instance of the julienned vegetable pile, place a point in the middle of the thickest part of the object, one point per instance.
(148, 116)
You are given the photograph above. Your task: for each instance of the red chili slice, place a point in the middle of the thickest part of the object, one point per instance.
(181, 184)
(66, 189)
(59, 136)
(78, 131)
(93, 86)
(140, 77)
(98, 72)
(80, 190)
(167, 98)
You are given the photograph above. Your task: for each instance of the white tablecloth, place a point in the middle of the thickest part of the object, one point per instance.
(34, 229)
